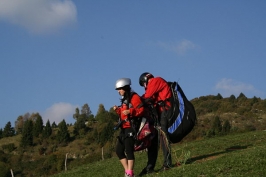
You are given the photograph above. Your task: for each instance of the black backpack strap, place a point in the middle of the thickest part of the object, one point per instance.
(131, 120)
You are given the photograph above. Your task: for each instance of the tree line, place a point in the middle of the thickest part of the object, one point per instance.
(217, 116)
(31, 126)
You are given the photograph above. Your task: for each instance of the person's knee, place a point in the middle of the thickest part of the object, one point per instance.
(120, 154)
(130, 156)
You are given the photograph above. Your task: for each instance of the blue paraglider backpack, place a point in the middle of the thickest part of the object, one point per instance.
(183, 115)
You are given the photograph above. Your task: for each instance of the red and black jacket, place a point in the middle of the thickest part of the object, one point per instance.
(136, 111)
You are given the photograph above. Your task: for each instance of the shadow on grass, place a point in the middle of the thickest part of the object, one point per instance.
(215, 155)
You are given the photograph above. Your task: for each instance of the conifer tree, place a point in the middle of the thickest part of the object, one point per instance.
(27, 134)
(80, 127)
(19, 124)
(232, 98)
(102, 114)
(76, 115)
(62, 134)
(86, 110)
(219, 96)
(8, 130)
(241, 97)
(47, 131)
(54, 125)
(38, 126)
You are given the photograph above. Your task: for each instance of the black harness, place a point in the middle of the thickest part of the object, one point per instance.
(127, 133)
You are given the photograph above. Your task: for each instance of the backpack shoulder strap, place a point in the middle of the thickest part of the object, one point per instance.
(141, 104)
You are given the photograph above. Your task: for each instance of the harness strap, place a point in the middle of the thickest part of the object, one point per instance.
(123, 136)
(128, 117)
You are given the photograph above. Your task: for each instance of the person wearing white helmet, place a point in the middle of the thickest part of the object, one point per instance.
(129, 110)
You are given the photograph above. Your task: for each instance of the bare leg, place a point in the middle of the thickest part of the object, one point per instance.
(124, 163)
(130, 165)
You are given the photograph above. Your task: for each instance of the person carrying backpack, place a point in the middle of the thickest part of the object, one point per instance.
(129, 110)
(157, 92)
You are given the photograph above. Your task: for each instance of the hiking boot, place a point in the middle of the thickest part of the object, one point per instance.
(146, 171)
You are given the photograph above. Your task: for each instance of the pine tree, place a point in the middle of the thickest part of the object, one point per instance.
(86, 110)
(62, 134)
(219, 96)
(8, 130)
(27, 134)
(47, 131)
(102, 114)
(76, 115)
(241, 97)
(232, 98)
(80, 127)
(54, 125)
(38, 126)
(19, 124)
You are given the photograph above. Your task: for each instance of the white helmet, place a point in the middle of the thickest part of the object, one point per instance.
(122, 83)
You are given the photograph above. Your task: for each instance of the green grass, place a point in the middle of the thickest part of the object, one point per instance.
(231, 156)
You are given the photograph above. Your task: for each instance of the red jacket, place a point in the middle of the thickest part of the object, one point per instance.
(134, 110)
(158, 90)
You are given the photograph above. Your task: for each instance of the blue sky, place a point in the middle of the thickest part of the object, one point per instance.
(57, 55)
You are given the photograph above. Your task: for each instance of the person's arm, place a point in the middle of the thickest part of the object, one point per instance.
(136, 111)
(154, 86)
(117, 110)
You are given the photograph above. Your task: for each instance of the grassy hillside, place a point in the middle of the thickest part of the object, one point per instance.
(46, 156)
(242, 154)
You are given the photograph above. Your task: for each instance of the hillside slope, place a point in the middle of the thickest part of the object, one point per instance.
(242, 154)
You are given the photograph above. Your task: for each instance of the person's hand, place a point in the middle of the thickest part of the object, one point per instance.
(126, 112)
(115, 107)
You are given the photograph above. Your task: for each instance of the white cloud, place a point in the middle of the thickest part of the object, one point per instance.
(228, 87)
(59, 111)
(180, 47)
(39, 16)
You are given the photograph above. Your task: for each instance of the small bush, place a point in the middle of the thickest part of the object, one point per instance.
(9, 147)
